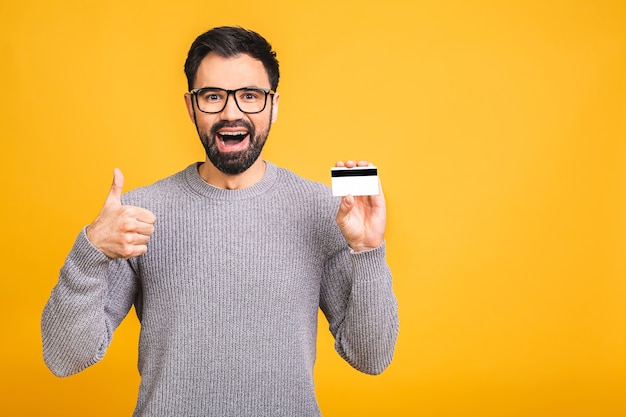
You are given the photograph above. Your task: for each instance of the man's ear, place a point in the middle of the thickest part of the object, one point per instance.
(189, 104)
(275, 99)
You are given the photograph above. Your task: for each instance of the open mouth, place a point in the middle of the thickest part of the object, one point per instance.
(232, 137)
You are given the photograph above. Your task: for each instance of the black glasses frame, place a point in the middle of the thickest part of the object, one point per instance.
(194, 92)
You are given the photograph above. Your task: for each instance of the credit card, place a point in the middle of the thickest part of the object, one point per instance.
(355, 181)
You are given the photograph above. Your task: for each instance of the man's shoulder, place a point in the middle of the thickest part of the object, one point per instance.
(289, 177)
(167, 185)
(304, 185)
(305, 191)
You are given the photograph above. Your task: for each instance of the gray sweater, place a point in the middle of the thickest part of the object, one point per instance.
(227, 296)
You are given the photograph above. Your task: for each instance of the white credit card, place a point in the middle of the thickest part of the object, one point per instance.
(354, 181)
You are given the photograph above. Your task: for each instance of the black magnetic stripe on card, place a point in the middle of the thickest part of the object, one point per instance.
(354, 172)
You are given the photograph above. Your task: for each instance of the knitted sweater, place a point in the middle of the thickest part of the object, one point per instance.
(227, 296)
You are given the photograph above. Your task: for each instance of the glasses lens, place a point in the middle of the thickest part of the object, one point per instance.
(211, 100)
(249, 100)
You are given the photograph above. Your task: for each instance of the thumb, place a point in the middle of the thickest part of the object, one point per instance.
(115, 194)
(345, 206)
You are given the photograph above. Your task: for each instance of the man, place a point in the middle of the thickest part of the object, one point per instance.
(227, 262)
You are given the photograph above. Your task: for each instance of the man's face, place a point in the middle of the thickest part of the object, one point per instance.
(233, 140)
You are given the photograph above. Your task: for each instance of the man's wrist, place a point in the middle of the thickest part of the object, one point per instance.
(357, 248)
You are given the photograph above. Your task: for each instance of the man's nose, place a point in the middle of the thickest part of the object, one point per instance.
(231, 110)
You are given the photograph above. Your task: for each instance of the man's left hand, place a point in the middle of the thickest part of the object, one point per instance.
(362, 219)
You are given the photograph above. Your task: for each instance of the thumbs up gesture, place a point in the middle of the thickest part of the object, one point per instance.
(121, 231)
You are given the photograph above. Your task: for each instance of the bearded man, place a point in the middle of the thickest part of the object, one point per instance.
(227, 262)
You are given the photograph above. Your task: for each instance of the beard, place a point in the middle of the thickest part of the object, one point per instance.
(233, 163)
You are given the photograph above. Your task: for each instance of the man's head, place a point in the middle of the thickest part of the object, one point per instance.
(228, 42)
(232, 74)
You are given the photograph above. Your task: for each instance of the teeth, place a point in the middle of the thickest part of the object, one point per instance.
(233, 133)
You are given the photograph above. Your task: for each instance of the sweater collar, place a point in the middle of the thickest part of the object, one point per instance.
(199, 186)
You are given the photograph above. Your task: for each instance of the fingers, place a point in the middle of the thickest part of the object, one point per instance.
(343, 215)
(144, 216)
(133, 219)
(353, 163)
(121, 231)
(114, 198)
(132, 235)
(122, 234)
(135, 223)
(145, 229)
(347, 202)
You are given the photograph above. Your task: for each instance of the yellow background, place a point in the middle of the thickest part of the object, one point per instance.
(499, 129)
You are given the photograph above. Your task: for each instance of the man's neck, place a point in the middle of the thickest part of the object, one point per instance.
(213, 176)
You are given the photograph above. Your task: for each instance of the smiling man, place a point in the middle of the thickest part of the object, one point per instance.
(227, 262)
(233, 144)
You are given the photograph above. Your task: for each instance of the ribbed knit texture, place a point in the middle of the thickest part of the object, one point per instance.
(227, 296)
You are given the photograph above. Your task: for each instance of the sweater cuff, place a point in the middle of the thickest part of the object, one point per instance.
(86, 256)
(371, 263)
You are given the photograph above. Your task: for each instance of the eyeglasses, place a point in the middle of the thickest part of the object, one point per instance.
(248, 99)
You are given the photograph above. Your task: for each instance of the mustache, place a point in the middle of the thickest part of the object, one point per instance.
(232, 123)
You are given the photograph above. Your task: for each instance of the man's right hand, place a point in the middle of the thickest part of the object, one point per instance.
(121, 231)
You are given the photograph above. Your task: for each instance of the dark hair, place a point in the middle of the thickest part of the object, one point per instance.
(227, 42)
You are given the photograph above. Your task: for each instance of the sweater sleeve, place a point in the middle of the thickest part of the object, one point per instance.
(358, 301)
(92, 296)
